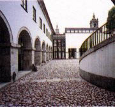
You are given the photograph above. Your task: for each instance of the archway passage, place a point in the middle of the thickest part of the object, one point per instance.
(5, 69)
(25, 51)
(37, 52)
(43, 53)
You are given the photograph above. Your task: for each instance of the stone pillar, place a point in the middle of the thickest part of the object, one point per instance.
(78, 54)
(33, 55)
(67, 55)
(14, 60)
(44, 56)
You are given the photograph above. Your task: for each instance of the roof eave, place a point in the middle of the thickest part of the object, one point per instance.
(43, 7)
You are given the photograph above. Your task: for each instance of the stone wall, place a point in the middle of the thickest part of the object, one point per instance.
(98, 65)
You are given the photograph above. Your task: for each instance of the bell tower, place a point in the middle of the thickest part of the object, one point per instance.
(94, 22)
(57, 29)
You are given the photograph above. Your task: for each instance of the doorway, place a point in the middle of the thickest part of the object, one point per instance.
(25, 51)
(72, 53)
(5, 69)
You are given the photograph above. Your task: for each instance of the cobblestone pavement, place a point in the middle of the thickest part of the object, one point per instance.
(57, 83)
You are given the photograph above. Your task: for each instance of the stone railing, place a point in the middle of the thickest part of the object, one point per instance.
(97, 37)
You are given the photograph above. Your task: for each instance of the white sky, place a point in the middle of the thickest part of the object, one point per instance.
(77, 13)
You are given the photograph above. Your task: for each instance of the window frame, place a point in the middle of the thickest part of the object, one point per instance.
(34, 13)
(44, 28)
(46, 32)
(24, 5)
(40, 23)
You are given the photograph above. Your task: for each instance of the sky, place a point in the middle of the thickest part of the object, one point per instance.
(77, 13)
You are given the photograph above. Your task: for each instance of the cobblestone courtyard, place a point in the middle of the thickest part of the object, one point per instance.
(57, 83)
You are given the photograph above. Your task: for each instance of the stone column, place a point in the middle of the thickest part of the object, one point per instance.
(44, 56)
(33, 56)
(14, 59)
(67, 55)
(78, 54)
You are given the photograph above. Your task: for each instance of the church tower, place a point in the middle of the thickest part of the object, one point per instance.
(94, 22)
(57, 30)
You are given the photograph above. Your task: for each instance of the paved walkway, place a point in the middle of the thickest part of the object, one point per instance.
(20, 74)
(55, 84)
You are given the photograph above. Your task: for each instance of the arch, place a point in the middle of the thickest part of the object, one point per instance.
(5, 41)
(25, 51)
(43, 52)
(37, 44)
(26, 29)
(2, 16)
(37, 56)
(43, 46)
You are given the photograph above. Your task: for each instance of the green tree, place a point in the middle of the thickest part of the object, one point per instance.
(111, 19)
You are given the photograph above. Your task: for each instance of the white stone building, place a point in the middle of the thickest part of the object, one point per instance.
(67, 45)
(25, 36)
(75, 36)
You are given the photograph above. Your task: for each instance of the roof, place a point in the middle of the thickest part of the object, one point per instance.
(43, 7)
(80, 28)
(59, 36)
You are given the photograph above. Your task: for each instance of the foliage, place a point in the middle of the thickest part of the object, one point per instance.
(111, 19)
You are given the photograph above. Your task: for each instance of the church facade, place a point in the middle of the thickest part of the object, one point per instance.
(25, 36)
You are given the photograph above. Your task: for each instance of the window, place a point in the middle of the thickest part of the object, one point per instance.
(72, 31)
(24, 4)
(46, 32)
(34, 14)
(40, 23)
(44, 27)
